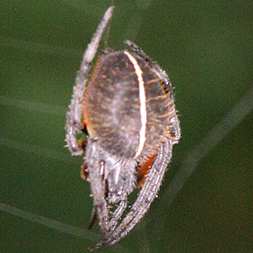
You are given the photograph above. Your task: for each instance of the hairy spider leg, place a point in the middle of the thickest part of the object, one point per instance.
(142, 172)
(145, 197)
(165, 81)
(117, 214)
(141, 175)
(136, 49)
(74, 115)
(98, 188)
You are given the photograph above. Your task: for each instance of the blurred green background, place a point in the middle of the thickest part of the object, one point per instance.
(206, 200)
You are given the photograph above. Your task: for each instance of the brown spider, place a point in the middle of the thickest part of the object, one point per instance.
(125, 107)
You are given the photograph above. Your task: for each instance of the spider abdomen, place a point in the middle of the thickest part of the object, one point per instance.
(126, 107)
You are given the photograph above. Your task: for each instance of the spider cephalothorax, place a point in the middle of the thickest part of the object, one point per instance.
(125, 105)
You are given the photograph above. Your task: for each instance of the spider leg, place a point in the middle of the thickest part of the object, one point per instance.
(145, 197)
(136, 49)
(117, 214)
(115, 217)
(156, 68)
(74, 115)
(97, 183)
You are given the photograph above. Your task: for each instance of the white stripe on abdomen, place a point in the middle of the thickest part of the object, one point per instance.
(142, 97)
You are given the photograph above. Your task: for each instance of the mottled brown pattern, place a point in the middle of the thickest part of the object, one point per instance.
(159, 107)
(112, 106)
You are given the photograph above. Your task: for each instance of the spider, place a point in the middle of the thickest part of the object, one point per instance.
(124, 106)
